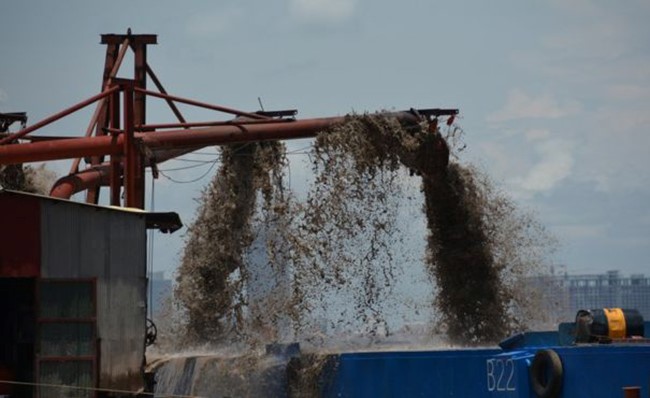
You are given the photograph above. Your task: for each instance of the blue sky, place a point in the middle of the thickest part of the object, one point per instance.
(554, 95)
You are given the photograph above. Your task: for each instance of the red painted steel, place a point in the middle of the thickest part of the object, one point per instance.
(56, 117)
(187, 101)
(174, 139)
(133, 162)
(93, 177)
(60, 149)
(20, 235)
(230, 134)
(115, 161)
(135, 145)
(160, 88)
(98, 120)
(100, 117)
(140, 81)
(167, 145)
(235, 122)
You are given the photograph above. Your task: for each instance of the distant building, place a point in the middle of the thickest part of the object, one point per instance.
(570, 293)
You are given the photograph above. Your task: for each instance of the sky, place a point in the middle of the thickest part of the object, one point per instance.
(554, 96)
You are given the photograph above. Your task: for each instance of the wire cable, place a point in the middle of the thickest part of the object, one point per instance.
(97, 389)
(214, 162)
(193, 160)
(187, 167)
(162, 173)
(152, 207)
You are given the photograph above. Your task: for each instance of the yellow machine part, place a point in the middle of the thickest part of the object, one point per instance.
(616, 322)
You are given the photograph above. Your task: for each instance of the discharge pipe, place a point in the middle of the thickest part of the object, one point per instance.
(164, 145)
(193, 139)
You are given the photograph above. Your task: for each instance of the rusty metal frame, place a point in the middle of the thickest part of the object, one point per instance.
(160, 87)
(121, 132)
(163, 126)
(205, 105)
(68, 111)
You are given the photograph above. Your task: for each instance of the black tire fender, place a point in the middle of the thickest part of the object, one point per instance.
(546, 374)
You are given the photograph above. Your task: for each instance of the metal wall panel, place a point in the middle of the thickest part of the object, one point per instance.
(19, 235)
(91, 242)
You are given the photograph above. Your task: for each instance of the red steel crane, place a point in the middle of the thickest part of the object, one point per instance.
(119, 144)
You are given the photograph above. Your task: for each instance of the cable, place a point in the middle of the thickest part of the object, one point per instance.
(152, 207)
(189, 181)
(187, 167)
(193, 160)
(214, 162)
(204, 153)
(299, 150)
(97, 389)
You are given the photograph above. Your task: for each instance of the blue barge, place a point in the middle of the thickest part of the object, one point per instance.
(587, 371)
(528, 365)
(592, 359)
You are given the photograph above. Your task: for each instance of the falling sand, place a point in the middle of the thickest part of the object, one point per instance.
(335, 254)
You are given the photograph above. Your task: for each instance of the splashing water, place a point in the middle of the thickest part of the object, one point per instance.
(334, 260)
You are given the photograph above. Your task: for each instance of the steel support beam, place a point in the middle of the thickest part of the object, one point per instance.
(175, 139)
(55, 117)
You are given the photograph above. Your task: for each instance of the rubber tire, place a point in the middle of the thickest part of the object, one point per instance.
(546, 360)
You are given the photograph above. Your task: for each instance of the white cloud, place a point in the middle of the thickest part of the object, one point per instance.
(607, 64)
(497, 156)
(520, 105)
(615, 154)
(555, 164)
(534, 162)
(323, 10)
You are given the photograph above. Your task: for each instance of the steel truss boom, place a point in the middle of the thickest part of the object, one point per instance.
(118, 130)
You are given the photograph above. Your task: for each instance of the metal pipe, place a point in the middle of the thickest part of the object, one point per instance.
(67, 186)
(56, 116)
(231, 134)
(166, 146)
(219, 135)
(102, 102)
(60, 149)
(175, 139)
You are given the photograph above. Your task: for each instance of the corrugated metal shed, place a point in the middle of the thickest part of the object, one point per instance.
(81, 242)
(72, 244)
